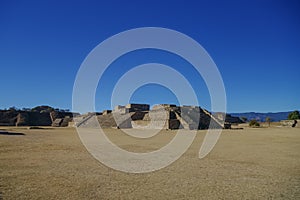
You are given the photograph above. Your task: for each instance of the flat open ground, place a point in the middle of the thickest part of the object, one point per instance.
(254, 163)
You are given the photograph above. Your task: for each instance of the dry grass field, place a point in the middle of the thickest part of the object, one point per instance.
(253, 163)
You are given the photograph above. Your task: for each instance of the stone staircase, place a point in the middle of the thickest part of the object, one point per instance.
(83, 121)
(217, 123)
(196, 118)
(105, 121)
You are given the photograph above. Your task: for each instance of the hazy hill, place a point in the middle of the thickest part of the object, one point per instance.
(278, 116)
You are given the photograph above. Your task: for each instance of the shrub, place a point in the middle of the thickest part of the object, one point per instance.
(294, 115)
(254, 123)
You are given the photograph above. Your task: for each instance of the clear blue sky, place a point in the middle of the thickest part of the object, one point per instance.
(255, 44)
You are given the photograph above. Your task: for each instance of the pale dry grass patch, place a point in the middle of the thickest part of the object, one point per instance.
(245, 164)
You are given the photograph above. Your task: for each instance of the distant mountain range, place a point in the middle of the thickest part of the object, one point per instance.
(278, 116)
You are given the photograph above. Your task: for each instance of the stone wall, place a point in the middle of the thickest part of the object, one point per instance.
(106, 112)
(62, 122)
(138, 115)
(55, 115)
(33, 119)
(161, 117)
(290, 123)
(38, 116)
(121, 109)
(8, 117)
(137, 107)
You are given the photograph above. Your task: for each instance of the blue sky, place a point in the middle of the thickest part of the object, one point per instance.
(255, 44)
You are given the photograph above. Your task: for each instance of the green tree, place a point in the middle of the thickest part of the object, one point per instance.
(268, 120)
(294, 115)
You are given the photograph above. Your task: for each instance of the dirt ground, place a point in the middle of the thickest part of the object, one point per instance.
(253, 163)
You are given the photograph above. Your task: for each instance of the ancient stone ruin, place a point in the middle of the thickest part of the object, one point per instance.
(163, 116)
(38, 116)
(290, 123)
